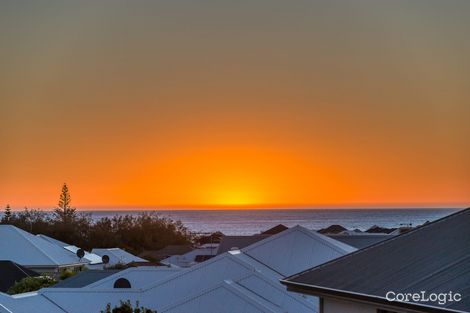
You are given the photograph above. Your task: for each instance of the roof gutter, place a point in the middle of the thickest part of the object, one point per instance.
(320, 291)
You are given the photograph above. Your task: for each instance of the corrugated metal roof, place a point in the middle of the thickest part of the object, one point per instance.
(434, 258)
(227, 297)
(53, 240)
(30, 250)
(296, 249)
(276, 294)
(163, 293)
(139, 277)
(360, 241)
(188, 284)
(229, 242)
(84, 278)
(190, 258)
(90, 257)
(247, 272)
(29, 303)
(117, 255)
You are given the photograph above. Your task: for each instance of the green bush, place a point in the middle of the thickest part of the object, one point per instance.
(126, 307)
(31, 284)
(66, 274)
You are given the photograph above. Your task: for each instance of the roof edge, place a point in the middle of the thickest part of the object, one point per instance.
(379, 243)
(320, 291)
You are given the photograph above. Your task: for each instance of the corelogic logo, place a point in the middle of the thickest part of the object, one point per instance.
(422, 296)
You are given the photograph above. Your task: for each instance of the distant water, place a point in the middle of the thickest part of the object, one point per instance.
(245, 222)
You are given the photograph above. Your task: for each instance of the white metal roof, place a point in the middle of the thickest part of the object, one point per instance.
(117, 255)
(90, 257)
(53, 240)
(138, 276)
(189, 259)
(277, 294)
(227, 297)
(26, 249)
(254, 275)
(27, 303)
(186, 283)
(296, 249)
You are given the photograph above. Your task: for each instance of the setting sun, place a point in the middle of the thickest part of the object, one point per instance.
(235, 105)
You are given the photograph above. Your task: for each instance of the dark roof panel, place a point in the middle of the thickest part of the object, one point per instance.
(434, 257)
(10, 272)
(275, 230)
(84, 278)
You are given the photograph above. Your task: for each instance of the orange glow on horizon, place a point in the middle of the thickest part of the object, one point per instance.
(170, 104)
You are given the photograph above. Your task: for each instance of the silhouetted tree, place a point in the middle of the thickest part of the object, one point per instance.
(7, 215)
(64, 212)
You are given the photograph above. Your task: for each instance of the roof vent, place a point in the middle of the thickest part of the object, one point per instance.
(122, 283)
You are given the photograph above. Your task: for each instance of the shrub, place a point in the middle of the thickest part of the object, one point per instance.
(31, 284)
(126, 307)
(66, 274)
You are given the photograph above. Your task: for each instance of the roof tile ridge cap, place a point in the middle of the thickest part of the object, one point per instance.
(183, 272)
(358, 251)
(20, 231)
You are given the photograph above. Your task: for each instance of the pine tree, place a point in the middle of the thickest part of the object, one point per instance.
(64, 212)
(7, 215)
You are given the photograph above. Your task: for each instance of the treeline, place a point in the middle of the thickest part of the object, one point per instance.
(135, 233)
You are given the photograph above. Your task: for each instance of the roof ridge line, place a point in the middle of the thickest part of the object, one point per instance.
(226, 284)
(287, 279)
(32, 243)
(250, 293)
(274, 284)
(312, 234)
(192, 269)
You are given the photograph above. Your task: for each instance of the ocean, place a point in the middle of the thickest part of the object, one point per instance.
(247, 222)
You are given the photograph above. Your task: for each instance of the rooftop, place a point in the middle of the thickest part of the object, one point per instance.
(10, 272)
(434, 257)
(27, 249)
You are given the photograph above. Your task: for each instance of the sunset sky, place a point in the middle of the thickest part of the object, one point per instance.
(259, 103)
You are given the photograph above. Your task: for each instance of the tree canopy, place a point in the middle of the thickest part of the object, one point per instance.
(133, 232)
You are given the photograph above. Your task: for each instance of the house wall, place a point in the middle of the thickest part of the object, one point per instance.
(340, 306)
(53, 271)
(333, 305)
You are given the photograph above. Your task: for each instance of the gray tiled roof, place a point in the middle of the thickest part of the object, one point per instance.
(434, 258)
